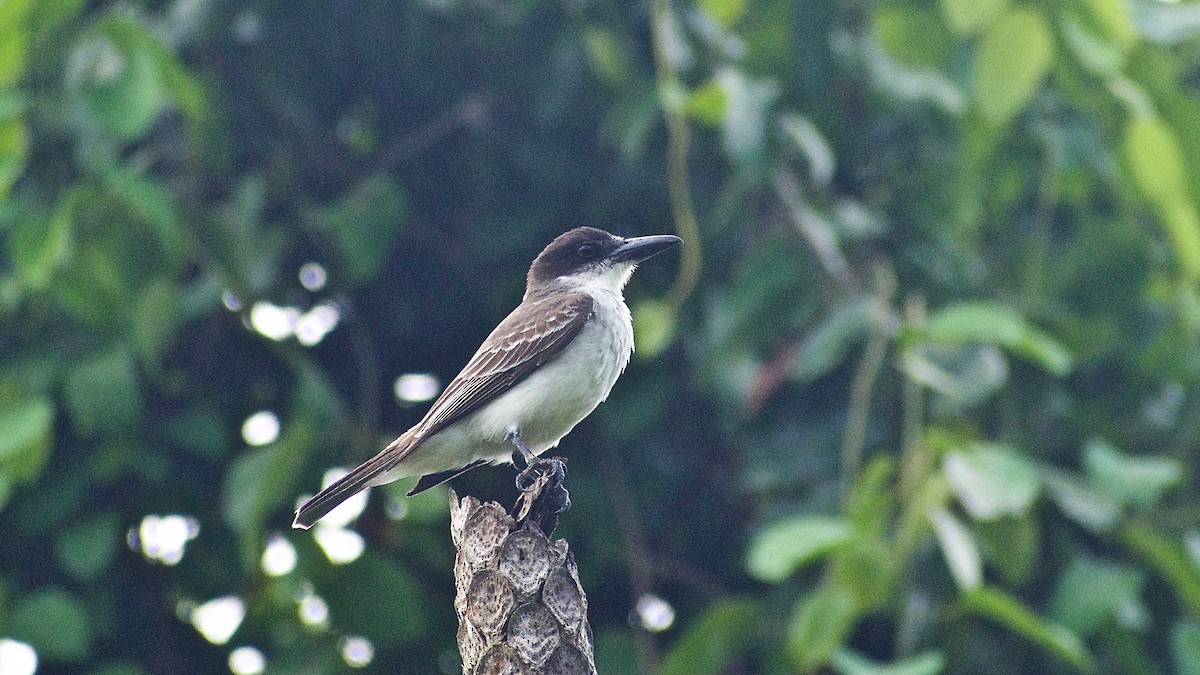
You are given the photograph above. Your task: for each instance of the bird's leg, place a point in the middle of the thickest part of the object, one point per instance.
(526, 454)
(554, 469)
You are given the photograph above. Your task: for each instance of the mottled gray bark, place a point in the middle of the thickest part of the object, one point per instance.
(521, 609)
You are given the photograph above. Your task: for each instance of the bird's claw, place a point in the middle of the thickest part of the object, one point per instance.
(543, 495)
(552, 471)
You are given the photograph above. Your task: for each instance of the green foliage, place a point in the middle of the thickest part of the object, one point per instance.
(925, 382)
(777, 551)
(1015, 54)
(714, 638)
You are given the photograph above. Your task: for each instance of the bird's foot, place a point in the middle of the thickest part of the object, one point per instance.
(550, 472)
(543, 495)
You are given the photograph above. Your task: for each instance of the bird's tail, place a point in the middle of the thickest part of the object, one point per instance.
(351, 484)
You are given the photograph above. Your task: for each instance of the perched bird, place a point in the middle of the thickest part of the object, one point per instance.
(542, 370)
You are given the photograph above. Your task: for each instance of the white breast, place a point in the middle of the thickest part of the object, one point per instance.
(546, 405)
(557, 396)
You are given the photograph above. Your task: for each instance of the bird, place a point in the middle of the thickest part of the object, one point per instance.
(540, 372)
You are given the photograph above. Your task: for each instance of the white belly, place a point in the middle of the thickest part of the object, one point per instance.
(543, 407)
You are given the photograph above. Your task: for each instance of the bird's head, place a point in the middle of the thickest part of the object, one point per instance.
(588, 257)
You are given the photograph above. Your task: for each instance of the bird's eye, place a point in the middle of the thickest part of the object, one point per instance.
(587, 251)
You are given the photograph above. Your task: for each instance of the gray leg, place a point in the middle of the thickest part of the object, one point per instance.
(514, 437)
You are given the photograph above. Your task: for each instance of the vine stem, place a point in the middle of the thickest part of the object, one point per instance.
(670, 94)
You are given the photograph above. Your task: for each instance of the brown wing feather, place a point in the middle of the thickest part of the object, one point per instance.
(527, 338)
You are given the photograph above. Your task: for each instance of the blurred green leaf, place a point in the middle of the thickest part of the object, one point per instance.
(959, 549)
(429, 506)
(14, 148)
(1152, 150)
(1156, 162)
(712, 639)
(1167, 558)
(1012, 60)
(831, 340)
(866, 566)
(724, 12)
(993, 323)
(362, 225)
(847, 662)
(103, 395)
(968, 17)
(1076, 603)
(1115, 20)
(748, 101)
(1011, 613)
(616, 651)
(14, 40)
(115, 76)
(1140, 480)
(1183, 227)
(383, 610)
(820, 626)
(1185, 646)
(55, 623)
(6, 491)
(707, 104)
(991, 480)
(1093, 51)
(155, 321)
(607, 57)
(962, 375)
(783, 546)
(26, 428)
(1084, 503)
(88, 547)
(264, 479)
(49, 15)
(911, 35)
(653, 327)
(149, 202)
(872, 501)
(39, 245)
(1011, 546)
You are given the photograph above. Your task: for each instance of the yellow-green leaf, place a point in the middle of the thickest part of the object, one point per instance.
(25, 431)
(1014, 615)
(707, 104)
(1113, 18)
(724, 12)
(785, 545)
(1013, 59)
(967, 17)
(14, 39)
(1155, 159)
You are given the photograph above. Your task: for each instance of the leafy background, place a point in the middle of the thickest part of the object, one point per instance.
(917, 396)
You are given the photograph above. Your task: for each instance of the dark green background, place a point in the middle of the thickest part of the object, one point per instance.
(917, 396)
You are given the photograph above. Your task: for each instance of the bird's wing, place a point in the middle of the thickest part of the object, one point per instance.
(532, 335)
(529, 337)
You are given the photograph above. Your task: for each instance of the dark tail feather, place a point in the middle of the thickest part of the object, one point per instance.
(435, 479)
(349, 485)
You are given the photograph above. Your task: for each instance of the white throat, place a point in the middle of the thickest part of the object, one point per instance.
(601, 278)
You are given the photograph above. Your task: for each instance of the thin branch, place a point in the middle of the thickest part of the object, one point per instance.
(640, 571)
(914, 458)
(812, 227)
(865, 377)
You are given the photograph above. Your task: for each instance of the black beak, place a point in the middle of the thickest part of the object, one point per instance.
(637, 249)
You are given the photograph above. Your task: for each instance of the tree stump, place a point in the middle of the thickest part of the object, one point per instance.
(521, 609)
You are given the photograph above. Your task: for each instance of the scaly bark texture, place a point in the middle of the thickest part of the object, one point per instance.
(521, 609)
